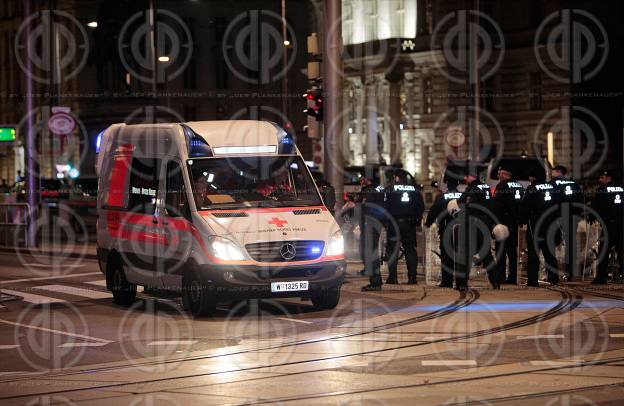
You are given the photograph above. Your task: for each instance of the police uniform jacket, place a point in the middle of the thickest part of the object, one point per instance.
(404, 203)
(438, 212)
(477, 201)
(507, 200)
(567, 191)
(608, 202)
(373, 198)
(537, 200)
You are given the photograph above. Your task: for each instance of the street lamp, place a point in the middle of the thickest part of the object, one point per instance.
(165, 59)
(92, 24)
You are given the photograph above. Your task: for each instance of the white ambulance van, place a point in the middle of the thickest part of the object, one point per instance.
(216, 210)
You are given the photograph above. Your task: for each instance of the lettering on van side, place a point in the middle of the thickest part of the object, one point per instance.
(271, 230)
(143, 191)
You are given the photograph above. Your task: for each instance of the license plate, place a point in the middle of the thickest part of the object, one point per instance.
(289, 286)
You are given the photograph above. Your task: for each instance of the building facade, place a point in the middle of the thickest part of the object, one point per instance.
(209, 60)
(420, 100)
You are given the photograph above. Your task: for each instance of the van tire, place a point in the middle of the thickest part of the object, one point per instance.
(196, 297)
(124, 292)
(328, 299)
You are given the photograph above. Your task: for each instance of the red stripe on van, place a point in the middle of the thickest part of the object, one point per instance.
(116, 222)
(119, 175)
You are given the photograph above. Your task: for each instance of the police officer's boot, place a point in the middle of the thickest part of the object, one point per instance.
(392, 280)
(374, 285)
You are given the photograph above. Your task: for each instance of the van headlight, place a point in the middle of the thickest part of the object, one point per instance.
(336, 244)
(225, 249)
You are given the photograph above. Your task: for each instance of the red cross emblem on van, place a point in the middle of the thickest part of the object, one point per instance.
(278, 223)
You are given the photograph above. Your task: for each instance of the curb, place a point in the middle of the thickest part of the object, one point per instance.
(34, 251)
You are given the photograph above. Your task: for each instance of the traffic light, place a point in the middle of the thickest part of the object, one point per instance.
(314, 99)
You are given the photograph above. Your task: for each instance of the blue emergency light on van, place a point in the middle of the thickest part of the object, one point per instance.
(316, 249)
(98, 142)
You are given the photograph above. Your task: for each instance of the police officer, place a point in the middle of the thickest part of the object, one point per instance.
(567, 196)
(608, 204)
(476, 223)
(438, 214)
(507, 198)
(537, 213)
(406, 206)
(371, 200)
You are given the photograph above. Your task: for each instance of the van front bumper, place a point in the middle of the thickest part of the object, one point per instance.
(247, 282)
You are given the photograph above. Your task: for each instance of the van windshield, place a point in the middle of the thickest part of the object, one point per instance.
(267, 181)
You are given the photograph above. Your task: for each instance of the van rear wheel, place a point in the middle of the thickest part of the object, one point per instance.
(196, 296)
(328, 299)
(124, 292)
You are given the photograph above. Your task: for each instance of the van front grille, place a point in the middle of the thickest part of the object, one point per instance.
(271, 251)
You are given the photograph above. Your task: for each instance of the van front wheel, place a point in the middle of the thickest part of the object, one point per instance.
(327, 299)
(196, 295)
(124, 292)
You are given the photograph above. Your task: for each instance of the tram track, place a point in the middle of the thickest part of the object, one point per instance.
(471, 297)
(568, 302)
(452, 382)
(598, 293)
(530, 396)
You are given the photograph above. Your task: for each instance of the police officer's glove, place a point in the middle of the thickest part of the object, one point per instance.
(453, 207)
(500, 232)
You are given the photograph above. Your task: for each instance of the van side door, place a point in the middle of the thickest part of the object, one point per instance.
(141, 237)
(175, 225)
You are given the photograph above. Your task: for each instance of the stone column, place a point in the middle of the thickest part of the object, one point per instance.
(410, 94)
(372, 153)
(358, 138)
(394, 113)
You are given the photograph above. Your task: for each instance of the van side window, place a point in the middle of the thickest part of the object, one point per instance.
(143, 187)
(175, 201)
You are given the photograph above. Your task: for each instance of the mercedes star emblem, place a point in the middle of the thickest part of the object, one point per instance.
(288, 251)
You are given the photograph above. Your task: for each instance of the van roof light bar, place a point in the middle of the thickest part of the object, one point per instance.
(252, 149)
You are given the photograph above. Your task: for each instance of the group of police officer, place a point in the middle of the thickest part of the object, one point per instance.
(467, 221)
